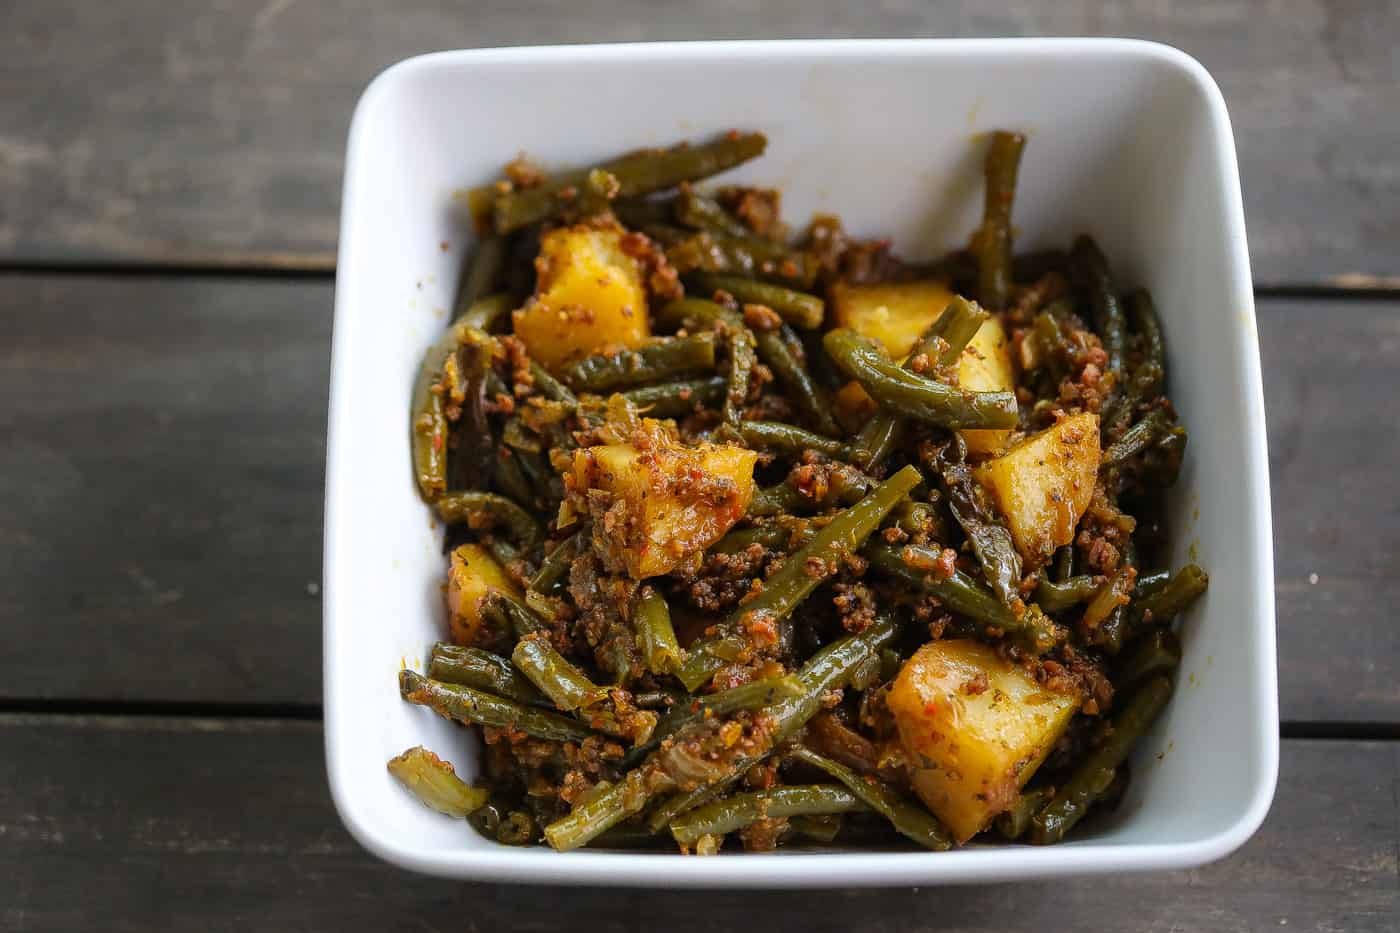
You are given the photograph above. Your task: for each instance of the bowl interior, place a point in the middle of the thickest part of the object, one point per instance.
(1126, 143)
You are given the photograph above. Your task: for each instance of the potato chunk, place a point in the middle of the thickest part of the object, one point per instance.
(472, 574)
(974, 728)
(590, 297)
(895, 315)
(985, 366)
(657, 503)
(1044, 484)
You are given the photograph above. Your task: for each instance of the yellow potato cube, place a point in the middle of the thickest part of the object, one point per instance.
(895, 315)
(974, 727)
(590, 297)
(665, 502)
(985, 366)
(1044, 484)
(472, 574)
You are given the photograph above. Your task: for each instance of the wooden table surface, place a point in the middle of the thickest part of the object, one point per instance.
(168, 206)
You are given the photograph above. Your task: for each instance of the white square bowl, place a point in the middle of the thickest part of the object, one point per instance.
(1129, 141)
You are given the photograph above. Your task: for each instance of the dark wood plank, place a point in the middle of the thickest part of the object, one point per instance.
(215, 136)
(160, 493)
(140, 824)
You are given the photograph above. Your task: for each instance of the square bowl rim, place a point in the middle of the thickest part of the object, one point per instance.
(845, 869)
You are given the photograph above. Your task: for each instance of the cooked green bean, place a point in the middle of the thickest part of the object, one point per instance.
(992, 243)
(484, 312)
(699, 212)
(1173, 597)
(1091, 270)
(878, 438)
(756, 694)
(665, 359)
(1013, 822)
(739, 810)
(677, 399)
(790, 440)
(636, 174)
(429, 418)
(910, 818)
(1153, 427)
(1157, 652)
(785, 590)
(1077, 795)
(817, 828)
(748, 257)
(781, 350)
(990, 538)
(1056, 597)
(435, 784)
(549, 387)
(510, 480)
(915, 518)
(1143, 314)
(508, 615)
(915, 396)
(651, 620)
(772, 537)
(600, 813)
(555, 565)
(479, 509)
(554, 675)
(796, 308)
(1033, 631)
(844, 488)
(482, 670)
(464, 704)
(481, 275)
(1150, 581)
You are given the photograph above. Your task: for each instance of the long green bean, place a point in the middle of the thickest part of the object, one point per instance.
(482, 670)
(1091, 270)
(796, 308)
(1056, 597)
(791, 440)
(481, 275)
(435, 784)
(555, 565)
(1153, 427)
(651, 621)
(739, 810)
(781, 349)
(464, 704)
(1157, 652)
(484, 312)
(909, 818)
(990, 538)
(665, 359)
(486, 508)
(699, 212)
(1013, 822)
(554, 675)
(1162, 605)
(676, 399)
(992, 243)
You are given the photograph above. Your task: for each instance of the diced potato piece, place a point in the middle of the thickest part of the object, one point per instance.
(666, 502)
(974, 728)
(472, 574)
(985, 366)
(590, 297)
(895, 315)
(1044, 484)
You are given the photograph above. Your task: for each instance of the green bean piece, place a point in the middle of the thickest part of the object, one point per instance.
(1057, 597)
(1033, 631)
(990, 538)
(908, 817)
(454, 701)
(665, 359)
(636, 174)
(677, 399)
(481, 275)
(1142, 312)
(1150, 581)
(914, 396)
(1013, 822)
(914, 518)
(817, 828)
(739, 810)
(878, 438)
(791, 440)
(509, 479)
(781, 350)
(1074, 798)
(549, 387)
(846, 488)
(435, 784)
(519, 828)
(1142, 387)
(799, 309)
(555, 565)
(651, 621)
(785, 590)
(482, 670)
(992, 243)
(772, 537)
(471, 464)
(694, 312)
(484, 312)
(508, 615)
(746, 257)
(639, 213)
(1091, 270)
(1152, 429)
(1173, 597)
(486, 508)
(429, 417)
(554, 675)
(699, 212)
(1157, 652)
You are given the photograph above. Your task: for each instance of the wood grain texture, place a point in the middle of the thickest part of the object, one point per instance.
(215, 136)
(141, 824)
(161, 487)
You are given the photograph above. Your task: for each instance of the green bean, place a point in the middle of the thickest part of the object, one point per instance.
(482, 670)
(817, 828)
(845, 488)
(1013, 822)
(429, 420)
(1091, 270)
(554, 675)
(785, 590)
(1056, 597)
(739, 810)
(781, 350)
(992, 244)
(484, 312)
(990, 539)
(756, 694)
(435, 784)
(545, 484)
(1143, 314)
(1076, 796)
(1150, 581)
(519, 828)
(480, 276)
(699, 212)
(471, 464)
(677, 399)
(1142, 387)
(772, 537)
(477, 508)
(664, 359)
(1162, 605)
(555, 565)
(796, 308)
(908, 817)
(549, 387)
(747, 257)
(915, 396)
(1154, 426)
(1033, 631)
(791, 440)
(878, 438)
(695, 312)
(651, 621)
(464, 704)
(508, 615)
(509, 479)
(639, 213)
(636, 174)
(1157, 652)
